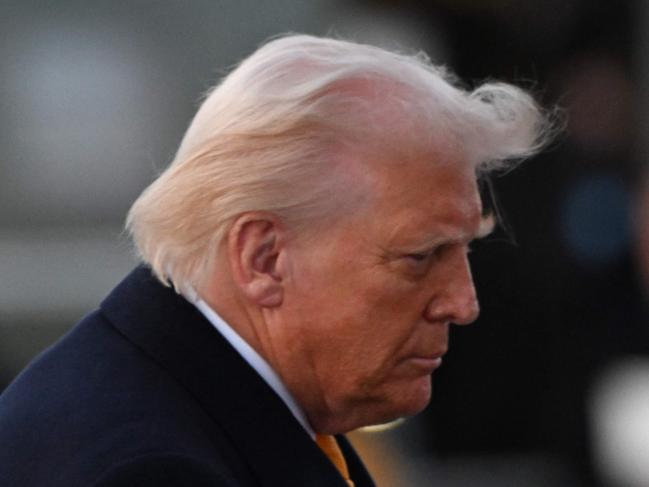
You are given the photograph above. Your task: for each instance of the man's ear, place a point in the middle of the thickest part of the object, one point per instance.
(255, 242)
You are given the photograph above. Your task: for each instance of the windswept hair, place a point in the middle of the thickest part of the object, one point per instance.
(269, 135)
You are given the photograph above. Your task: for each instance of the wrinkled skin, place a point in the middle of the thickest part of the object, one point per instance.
(367, 302)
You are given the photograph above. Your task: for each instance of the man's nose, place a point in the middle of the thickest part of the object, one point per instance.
(457, 301)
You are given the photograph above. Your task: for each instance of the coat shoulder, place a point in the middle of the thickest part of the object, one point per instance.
(165, 470)
(94, 400)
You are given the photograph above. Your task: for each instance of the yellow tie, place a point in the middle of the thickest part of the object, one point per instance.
(329, 446)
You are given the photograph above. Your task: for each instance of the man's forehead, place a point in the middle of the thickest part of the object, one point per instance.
(437, 219)
(431, 191)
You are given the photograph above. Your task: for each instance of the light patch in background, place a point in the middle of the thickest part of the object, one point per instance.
(82, 103)
(49, 274)
(620, 423)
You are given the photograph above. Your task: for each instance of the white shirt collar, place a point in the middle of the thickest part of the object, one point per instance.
(255, 360)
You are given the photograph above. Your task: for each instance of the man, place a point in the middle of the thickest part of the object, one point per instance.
(315, 224)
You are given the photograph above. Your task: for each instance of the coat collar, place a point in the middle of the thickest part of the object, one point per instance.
(177, 336)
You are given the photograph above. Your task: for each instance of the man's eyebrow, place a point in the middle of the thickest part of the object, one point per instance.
(485, 227)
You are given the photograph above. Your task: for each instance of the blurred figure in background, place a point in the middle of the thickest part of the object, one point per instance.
(304, 256)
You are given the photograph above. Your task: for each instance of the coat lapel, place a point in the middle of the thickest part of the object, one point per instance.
(175, 334)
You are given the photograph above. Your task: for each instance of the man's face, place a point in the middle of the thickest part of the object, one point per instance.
(367, 308)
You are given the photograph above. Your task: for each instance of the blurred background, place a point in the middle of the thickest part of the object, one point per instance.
(549, 388)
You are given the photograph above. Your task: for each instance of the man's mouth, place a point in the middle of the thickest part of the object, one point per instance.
(428, 363)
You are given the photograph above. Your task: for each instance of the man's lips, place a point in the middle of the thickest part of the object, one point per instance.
(428, 363)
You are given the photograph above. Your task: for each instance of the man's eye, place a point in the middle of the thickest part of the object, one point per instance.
(418, 257)
(428, 256)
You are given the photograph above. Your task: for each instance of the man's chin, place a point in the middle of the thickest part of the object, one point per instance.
(408, 401)
(417, 397)
(402, 401)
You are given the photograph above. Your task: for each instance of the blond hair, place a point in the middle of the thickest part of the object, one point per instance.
(266, 138)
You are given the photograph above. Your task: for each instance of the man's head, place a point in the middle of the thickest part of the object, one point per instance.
(322, 201)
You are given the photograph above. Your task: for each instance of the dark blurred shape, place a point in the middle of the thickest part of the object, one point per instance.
(598, 93)
(594, 225)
